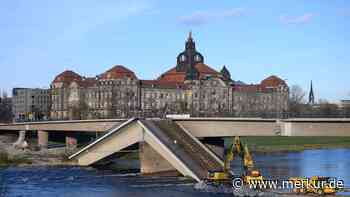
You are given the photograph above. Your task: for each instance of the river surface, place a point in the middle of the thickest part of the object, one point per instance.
(75, 182)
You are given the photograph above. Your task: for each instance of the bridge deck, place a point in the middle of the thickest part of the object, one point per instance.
(187, 149)
(207, 127)
(182, 150)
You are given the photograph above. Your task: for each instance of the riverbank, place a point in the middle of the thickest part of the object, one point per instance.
(10, 156)
(32, 156)
(294, 143)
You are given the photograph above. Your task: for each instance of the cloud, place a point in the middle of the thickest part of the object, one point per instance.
(302, 19)
(203, 17)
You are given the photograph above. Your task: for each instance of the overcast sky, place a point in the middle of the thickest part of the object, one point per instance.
(294, 39)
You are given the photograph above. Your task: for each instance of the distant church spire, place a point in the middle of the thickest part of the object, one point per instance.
(311, 95)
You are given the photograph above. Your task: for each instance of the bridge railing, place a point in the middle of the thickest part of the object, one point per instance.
(250, 114)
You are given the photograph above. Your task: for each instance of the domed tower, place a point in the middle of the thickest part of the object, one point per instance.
(187, 59)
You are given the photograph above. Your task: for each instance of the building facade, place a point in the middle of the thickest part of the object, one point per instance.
(344, 103)
(31, 104)
(190, 87)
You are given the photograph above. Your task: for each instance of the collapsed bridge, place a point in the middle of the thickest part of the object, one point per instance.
(168, 145)
(174, 144)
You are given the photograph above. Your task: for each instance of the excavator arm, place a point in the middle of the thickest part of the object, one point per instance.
(238, 149)
(233, 148)
(248, 162)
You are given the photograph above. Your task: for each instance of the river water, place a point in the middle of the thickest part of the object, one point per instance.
(74, 181)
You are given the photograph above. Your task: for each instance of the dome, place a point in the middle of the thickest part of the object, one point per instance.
(180, 76)
(187, 59)
(67, 77)
(272, 81)
(118, 72)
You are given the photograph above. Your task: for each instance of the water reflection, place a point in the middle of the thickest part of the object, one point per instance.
(73, 181)
(308, 163)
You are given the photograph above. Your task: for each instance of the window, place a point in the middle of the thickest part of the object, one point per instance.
(183, 58)
(197, 58)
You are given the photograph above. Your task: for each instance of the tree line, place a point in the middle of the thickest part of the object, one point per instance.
(299, 106)
(5, 108)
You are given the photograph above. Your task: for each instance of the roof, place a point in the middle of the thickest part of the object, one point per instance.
(67, 77)
(88, 82)
(248, 88)
(239, 82)
(272, 81)
(118, 72)
(205, 69)
(176, 76)
(265, 86)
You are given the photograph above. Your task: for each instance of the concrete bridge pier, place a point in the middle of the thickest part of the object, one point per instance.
(151, 161)
(43, 139)
(71, 142)
(21, 141)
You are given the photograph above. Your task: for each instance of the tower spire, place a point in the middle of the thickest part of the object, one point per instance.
(187, 59)
(190, 43)
(311, 95)
(225, 73)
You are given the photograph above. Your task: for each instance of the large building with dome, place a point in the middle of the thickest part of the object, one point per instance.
(190, 87)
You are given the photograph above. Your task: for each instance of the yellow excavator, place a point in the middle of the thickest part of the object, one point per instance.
(251, 174)
(315, 185)
(236, 147)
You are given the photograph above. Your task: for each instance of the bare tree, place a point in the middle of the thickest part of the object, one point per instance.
(79, 111)
(327, 109)
(4, 94)
(5, 108)
(297, 94)
(296, 99)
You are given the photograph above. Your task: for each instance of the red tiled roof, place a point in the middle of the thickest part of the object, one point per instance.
(118, 72)
(175, 76)
(205, 69)
(248, 88)
(264, 86)
(67, 76)
(272, 81)
(88, 82)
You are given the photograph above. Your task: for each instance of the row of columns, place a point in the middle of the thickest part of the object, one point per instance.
(43, 140)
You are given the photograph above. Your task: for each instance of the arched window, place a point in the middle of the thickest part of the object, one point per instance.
(183, 58)
(197, 58)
